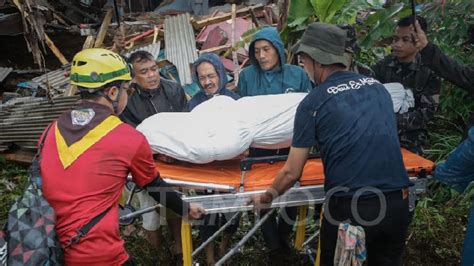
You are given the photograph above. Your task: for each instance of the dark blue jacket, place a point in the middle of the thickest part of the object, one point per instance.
(458, 172)
(201, 97)
(282, 79)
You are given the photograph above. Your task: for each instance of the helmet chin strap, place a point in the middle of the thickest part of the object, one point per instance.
(114, 103)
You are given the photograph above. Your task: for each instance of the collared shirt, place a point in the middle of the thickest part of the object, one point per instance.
(350, 117)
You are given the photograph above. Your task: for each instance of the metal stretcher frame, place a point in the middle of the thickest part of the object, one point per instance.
(233, 201)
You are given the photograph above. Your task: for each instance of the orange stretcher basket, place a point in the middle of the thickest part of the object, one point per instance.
(262, 174)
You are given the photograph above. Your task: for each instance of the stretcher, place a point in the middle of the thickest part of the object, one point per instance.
(235, 181)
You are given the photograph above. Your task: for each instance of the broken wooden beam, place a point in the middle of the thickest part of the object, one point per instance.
(89, 43)
(216, 50)
(103, 29)
(239, 13)
(55, 50)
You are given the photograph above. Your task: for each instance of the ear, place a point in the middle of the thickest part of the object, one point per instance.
(112, 92)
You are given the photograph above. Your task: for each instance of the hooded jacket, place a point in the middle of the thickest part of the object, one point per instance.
(201, 96)
(283, 78)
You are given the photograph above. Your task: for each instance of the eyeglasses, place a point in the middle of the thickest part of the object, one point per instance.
(204, 78)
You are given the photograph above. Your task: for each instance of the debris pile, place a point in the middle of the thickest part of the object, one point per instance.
(176, 32)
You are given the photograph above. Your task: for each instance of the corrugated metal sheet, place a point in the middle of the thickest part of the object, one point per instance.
(54, 80)
(153, 49)
(22, 122)
(4, 72)
(181, 45)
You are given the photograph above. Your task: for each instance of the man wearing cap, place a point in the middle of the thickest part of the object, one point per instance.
(350, 117)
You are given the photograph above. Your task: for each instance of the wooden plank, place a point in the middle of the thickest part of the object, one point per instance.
(103, 29)
(89, 43)
(239, 13)
(216, 50)
(55, 50)
(234, 53)
(20, 157)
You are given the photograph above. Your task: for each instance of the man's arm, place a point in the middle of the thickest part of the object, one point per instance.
(442, 64)
(144, 174)
(182, 99)
(285, 178)
(458, 170)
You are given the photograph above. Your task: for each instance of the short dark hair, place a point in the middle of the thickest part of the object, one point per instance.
(95, 94)
(140, 56)
(408, 20)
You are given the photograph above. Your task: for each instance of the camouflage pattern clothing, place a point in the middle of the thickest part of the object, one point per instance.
(425, 85)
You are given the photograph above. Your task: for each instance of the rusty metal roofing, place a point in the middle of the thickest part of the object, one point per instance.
(153, 49)
(181, 45)
(4, 72)
(22, 122)
(54, 80)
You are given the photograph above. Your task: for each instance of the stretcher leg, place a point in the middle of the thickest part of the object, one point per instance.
(252, 231)
(186, 242)
(220, 230)
(300, 227)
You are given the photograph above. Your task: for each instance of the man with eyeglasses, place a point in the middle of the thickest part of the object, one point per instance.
(153, 94)
(210, 74)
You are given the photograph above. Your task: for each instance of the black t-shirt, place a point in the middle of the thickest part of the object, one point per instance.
(350, 117)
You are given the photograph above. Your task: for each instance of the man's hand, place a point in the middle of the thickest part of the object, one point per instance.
(261, 201)
(420, 37)
(165, 159)
(119, 41)
(195, 211)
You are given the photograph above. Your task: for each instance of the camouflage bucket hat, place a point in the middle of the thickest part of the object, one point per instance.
(325, 43)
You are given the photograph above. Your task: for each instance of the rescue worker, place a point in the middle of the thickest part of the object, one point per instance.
(350, 117)
(269, 74)
(212, 79)
(458, 170)
(404, 66)
(88, 153)
(153, 94)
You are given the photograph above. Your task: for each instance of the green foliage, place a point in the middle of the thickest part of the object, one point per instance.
(381, 24)
(448, 25)
(12, 183)
(326, 9)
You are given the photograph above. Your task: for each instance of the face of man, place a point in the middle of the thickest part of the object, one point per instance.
(403, 45)
(266, 55)
(147, 74)
(208, 78)
(308, 65)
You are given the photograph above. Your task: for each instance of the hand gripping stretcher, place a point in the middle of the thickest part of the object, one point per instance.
(235, 181)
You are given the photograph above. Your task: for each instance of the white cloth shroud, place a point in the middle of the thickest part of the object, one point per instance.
(222, 128)
(402, 98)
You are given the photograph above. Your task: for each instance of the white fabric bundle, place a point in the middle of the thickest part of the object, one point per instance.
(402, 98)
(222, 128)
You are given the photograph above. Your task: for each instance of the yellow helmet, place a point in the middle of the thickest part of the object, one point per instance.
(95, 67)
